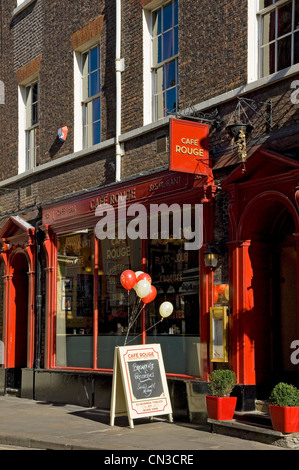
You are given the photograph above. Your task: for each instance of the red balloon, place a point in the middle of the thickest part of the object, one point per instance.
(144, 277)
(151, 296)
(128, 279)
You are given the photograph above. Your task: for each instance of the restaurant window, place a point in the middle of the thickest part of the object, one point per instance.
(175, 274)
(89, 288)
(114, 302)
(75, 308)
(165, 49)
(278, 35)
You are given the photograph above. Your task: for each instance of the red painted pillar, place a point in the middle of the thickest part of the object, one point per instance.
(241, 341)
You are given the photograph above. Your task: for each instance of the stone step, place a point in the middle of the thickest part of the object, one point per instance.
(262, 406)
(14, 392)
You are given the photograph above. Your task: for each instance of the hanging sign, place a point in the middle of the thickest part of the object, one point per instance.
(139, 387)
(189, 147)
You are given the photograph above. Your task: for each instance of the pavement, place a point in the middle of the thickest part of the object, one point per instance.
(39, 425)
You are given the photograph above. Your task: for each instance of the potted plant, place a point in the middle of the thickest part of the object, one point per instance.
(220, 405)
(284, 408)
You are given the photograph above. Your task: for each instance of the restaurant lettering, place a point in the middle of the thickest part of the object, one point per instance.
(113, 198)
(189, 147)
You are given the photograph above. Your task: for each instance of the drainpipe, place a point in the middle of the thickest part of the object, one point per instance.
(39, 235)
(119, 68)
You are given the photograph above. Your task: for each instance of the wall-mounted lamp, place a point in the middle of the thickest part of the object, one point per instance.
(211, 257)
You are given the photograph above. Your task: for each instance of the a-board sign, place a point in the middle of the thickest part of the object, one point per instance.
(139, 387)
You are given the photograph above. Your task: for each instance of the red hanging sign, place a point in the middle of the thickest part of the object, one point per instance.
(189, 147)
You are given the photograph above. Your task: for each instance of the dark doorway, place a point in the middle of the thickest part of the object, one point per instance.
(19, 307)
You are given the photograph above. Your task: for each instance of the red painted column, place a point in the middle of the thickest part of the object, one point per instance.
(50, 247)
(241, 341)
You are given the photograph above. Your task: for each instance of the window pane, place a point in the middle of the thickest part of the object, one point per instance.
(159, 106)
(158, 50)
(74, 321)
(296, 48)
(265, 3)
(34, 93)
(168, 45)
(268, 60)
(296, 23)
(94, 84)
(167, 17)
(93, 60)
(268, 27)
(284, 53)
(176, 13)
(284, 20)
(96, 110)
(176, 40)
(170, 75)
(157, 23)
(171, 100)
(158, 83)
(96, 130)
(34, 114)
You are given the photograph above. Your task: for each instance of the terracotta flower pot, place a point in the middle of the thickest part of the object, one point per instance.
(221, 408)
(285, 418)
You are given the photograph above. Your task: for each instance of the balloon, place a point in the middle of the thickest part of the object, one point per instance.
(151, 296)
(144, 276)
(128, 279)
(166, 309)
(143, 288)
(137, 274)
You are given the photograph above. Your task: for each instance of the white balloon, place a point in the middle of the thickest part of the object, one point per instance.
(143, 288)
(137, 273)
(166, 309)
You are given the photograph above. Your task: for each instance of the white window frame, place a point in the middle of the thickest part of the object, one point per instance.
(24, 114)
(78, 93)
(254, 41)
(148, 88)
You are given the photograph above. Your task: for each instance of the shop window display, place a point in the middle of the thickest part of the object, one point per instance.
(93, 307)
(74, 322)
(115, 303)
(175, 274)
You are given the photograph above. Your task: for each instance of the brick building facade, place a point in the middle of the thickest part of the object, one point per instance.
(224, 73)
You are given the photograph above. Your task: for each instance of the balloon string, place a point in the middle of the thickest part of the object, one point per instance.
(132, 322)
(144, 331)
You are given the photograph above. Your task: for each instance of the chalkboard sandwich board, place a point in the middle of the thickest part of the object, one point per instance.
(139, 386)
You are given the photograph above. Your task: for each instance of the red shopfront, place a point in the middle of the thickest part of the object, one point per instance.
(87, 308)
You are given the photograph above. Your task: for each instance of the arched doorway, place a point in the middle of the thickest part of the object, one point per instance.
(269, 226)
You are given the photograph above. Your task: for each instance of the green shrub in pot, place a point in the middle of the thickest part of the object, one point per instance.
(222, 382)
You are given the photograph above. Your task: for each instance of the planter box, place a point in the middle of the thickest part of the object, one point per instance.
(221, 408)
(285, 418)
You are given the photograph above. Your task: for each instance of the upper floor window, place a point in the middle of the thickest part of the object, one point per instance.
(165, 50)
(31, 97)
(278, 35)
(91, 96)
